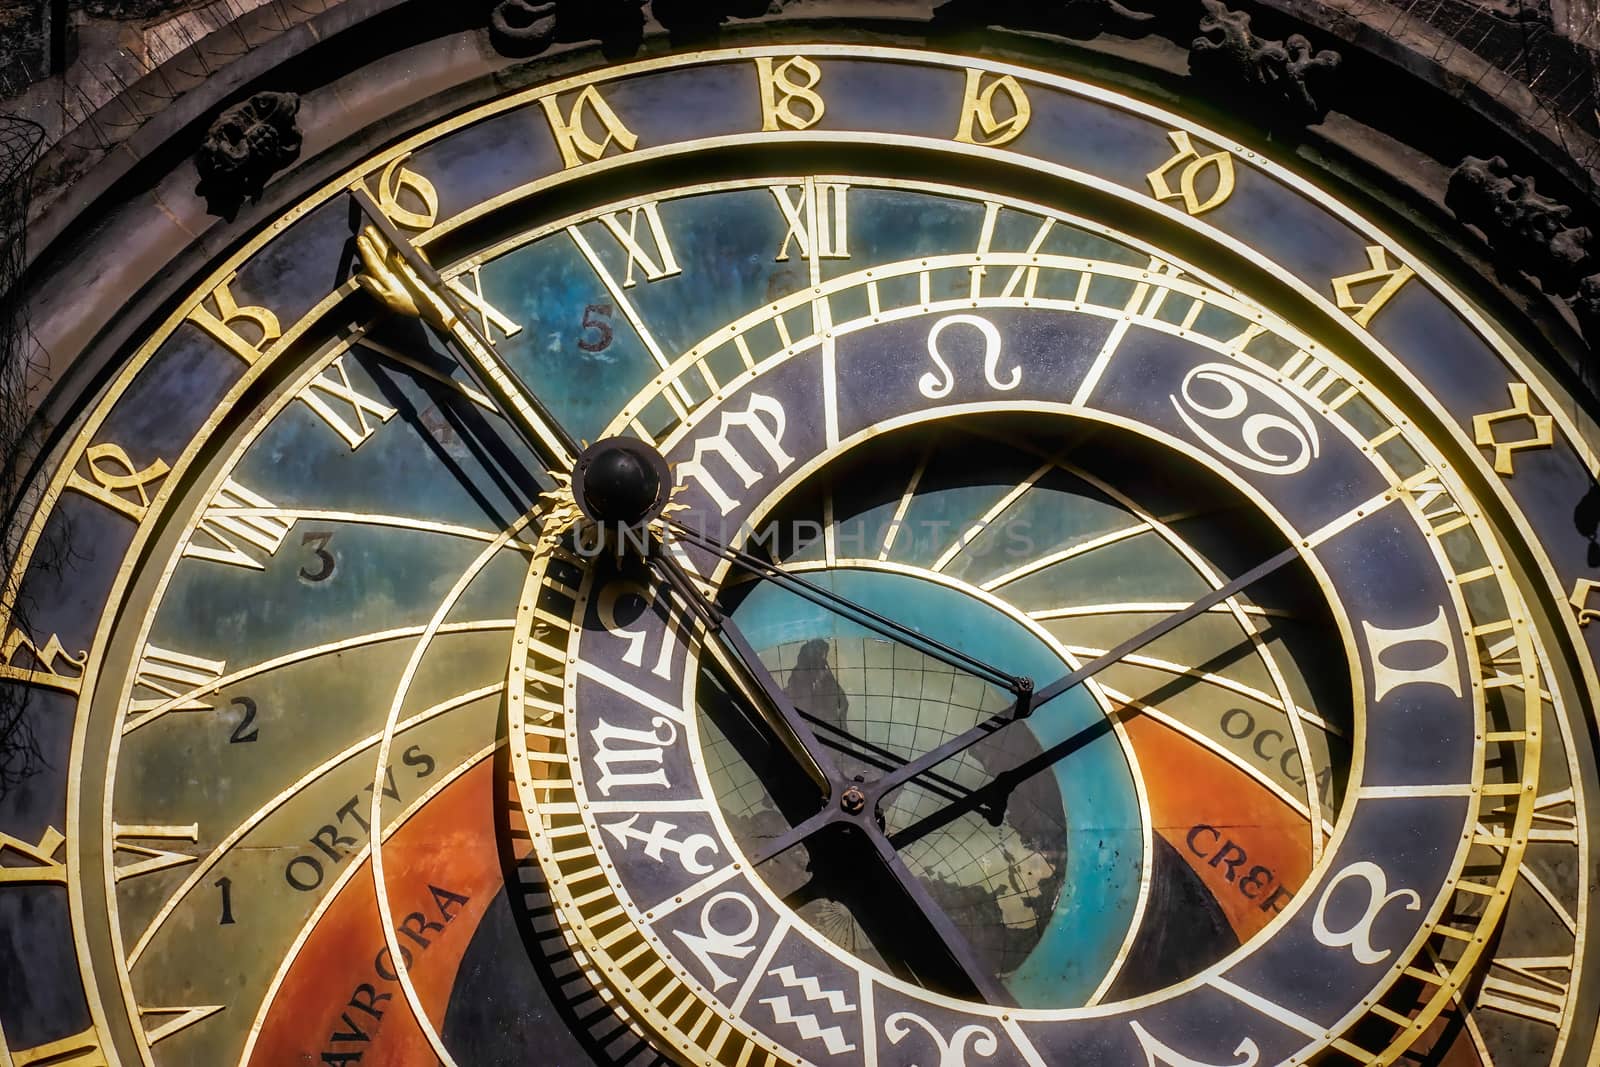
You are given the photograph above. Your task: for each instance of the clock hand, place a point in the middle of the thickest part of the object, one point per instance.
(844, 798)
(1020, 687)
(795, 732)
(932, 757)
(405, 281)
(876, 790)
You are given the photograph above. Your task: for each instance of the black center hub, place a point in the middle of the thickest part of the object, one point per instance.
(619, 481)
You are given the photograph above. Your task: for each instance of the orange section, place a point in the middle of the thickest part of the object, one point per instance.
(1252, 850)
(442, 872)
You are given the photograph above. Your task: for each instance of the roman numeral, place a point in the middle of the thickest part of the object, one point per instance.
(488, 314)
(818, 214)
(332, 387)
(165, 676)
(79, 1050)
(991, 215)
(151, 859)
(185, 1018)
(1551, 827)
(1318, 380)
(657, 264)
(1534, 992)
(1427, 491)
(228, 530)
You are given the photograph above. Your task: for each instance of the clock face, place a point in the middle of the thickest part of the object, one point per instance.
(1103, 600)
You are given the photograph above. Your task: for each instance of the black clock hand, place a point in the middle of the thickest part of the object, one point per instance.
(876, 790)
(844, 798)
(801, 740)
(1020, 687)
(404, 280)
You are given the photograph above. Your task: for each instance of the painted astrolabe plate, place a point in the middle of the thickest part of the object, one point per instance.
(1372, 902)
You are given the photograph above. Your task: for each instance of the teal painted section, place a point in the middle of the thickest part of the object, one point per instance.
(1104, 855)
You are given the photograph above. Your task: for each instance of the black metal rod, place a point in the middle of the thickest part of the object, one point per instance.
(898, 777)
(430, 277)
(866, 617)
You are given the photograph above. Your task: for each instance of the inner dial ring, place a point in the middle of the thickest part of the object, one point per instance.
(1393, 473)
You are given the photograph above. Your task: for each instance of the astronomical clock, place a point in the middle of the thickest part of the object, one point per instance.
(811, 551)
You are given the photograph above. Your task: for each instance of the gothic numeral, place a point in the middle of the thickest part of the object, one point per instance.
(40, 668)
(399, 187)
(332, 387)
(1542, 429)
(43, 866)
(229, 315)
(113, 481)
(1436, 632)
(151, 859)
(1194, 167)
(571, 130)
(229, 526)
(1388, 277)
(818, 214)
(783, 85)
(981, 122)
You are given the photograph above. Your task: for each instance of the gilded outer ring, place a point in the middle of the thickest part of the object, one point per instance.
(74, 451)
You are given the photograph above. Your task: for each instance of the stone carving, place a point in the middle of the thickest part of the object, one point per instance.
(1080, 19)
(245, 146)
(1586, 308)
(697, 20)
(1530, 230)
(527, 27)
(1284, 74)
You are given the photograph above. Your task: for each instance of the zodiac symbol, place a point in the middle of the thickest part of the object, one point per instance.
(1358, 938)
(952, 1053)
(938, 386)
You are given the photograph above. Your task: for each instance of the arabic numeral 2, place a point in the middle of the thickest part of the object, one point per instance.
(245, 731)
